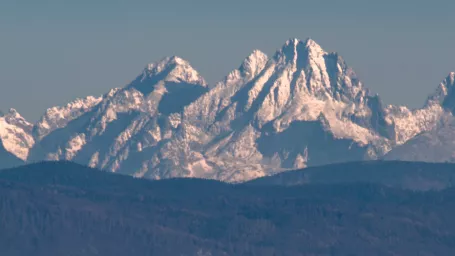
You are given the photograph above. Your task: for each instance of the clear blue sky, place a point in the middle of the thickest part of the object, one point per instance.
(52, 51)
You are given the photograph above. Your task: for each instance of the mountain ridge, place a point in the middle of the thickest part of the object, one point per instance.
(301, 107)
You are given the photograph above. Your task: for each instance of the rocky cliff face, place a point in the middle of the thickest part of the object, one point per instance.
(15, 136)
(60, 116)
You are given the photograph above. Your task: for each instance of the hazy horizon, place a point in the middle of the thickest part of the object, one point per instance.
(56, 51)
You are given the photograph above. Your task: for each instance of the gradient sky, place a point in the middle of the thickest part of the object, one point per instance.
(52, 51)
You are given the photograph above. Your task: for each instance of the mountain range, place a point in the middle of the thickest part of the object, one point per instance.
(301, 107)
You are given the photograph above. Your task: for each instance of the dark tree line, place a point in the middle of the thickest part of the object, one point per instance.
(65, 209)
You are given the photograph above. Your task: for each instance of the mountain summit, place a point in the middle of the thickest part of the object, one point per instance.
(170, 70)
(445, 93)
(15, 139)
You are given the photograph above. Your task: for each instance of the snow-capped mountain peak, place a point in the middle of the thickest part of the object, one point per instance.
(12, 113)
(254, 63)
(15, 134)
(295, 49)
(313, 47)
(13, 117)
(445, 94)
(159, 66)
(171, 69)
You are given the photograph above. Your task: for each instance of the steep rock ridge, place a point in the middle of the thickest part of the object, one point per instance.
(409, 123)
(215, 107)
(128, 119)
(436, 145)
(15, 134)
(169, 70)
(445, 94)
(433, 128)
(60, 116)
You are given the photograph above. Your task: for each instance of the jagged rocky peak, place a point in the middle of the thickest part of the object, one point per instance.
(176, 69)
(444, 88)
(13, 113)
(293, 49)
(14, 118)
(15, 134)
(445, 94)
(58, 116)
(326, 74)
(168, 70)
(219, 104)
(254, 63)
